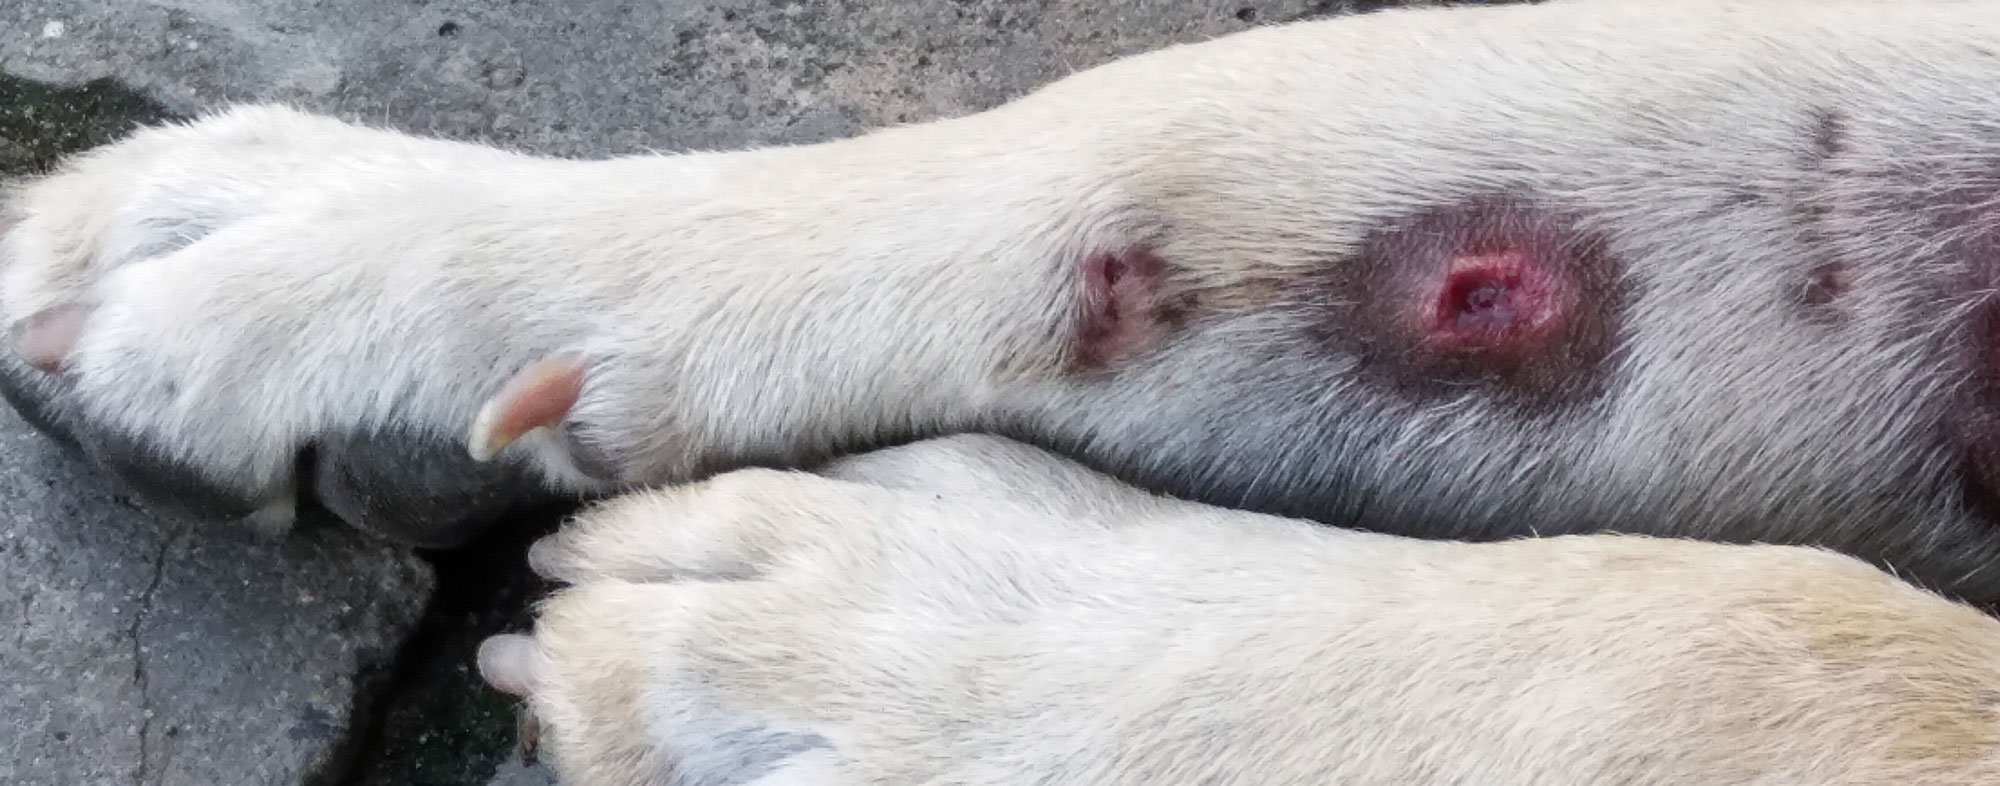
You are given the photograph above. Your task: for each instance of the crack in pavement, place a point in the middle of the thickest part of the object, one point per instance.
(139, 675)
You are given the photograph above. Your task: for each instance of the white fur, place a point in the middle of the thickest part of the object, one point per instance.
(1052, 626)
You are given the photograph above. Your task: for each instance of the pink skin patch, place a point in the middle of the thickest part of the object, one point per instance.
(1495, 300)
(1120, 307)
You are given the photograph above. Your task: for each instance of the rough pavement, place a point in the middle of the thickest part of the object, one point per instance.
(145, 648)
(157, 650)
(591, 77)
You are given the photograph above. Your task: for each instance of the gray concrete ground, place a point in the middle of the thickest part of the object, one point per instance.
(150, 649)
(146, 648)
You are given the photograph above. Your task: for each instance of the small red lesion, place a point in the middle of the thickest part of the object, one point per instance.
(1828, 282)
(1121, 306)
(1502, 299)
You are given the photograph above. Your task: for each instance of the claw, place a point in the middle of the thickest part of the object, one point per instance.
(511, 663)
(543, 555)
(277, 510)
(46, 338)
(539, 396)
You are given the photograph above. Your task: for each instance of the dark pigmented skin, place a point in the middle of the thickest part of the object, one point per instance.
(1495, 293)
(422, 492)
(1349, 412)
(402, 487)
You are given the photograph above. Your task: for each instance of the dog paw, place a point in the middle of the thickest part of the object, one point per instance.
(201, 306)
(775, 627)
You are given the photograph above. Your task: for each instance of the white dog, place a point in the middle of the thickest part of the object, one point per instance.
(1723, 270)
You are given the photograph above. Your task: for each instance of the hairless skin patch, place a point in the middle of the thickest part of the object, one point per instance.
(1496, 300)
(1489, 293)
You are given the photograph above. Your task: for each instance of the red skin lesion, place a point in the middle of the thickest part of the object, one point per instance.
(1501, 295)
(1121, 307)
(1497, 300)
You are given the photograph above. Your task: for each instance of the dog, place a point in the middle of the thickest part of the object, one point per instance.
(1687, 276)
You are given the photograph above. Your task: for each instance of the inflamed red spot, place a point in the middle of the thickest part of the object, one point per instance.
(1498, 294)
(1495, 298)
(1827, 283)
(1122, 309)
